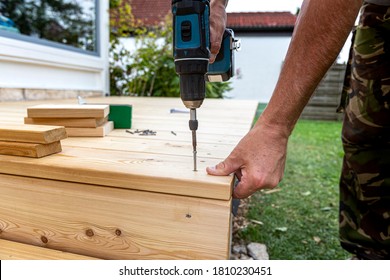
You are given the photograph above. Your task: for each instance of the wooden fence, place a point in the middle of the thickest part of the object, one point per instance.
(326, 98)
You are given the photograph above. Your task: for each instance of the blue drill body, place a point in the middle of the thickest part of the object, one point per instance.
(191, 51)
(191, 41)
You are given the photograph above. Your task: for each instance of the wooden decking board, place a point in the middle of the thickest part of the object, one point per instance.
(29, 149)
(112, 223)
(10, 250)
(67, 122)
(99, 131)
(179, 136)
(68, 111)
(141, 145)
(161, 173)
(235, 130)
(32, 133)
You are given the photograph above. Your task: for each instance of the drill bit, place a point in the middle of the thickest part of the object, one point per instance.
(194, 148)
(193, 123)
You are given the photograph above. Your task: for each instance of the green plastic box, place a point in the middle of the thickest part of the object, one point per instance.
(121, 115)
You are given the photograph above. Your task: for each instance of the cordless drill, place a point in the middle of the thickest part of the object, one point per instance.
(191, 51)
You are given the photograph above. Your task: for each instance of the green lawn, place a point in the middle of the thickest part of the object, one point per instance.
(299, 219)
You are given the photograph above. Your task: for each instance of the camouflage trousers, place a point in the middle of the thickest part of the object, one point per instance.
(365, 179)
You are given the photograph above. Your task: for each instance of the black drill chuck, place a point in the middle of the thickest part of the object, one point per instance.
(192, 82)
(192, 86)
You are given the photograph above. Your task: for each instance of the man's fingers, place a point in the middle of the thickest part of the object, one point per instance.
(217, 26)
(215, 47)
(244, 188)
(238, 174)
(216, 34)
(225, 167)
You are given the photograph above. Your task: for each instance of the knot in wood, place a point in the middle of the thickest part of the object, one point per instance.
(118, 232)
(89, 232)
(44, 239)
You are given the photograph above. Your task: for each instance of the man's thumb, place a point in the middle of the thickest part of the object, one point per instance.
(223, 168)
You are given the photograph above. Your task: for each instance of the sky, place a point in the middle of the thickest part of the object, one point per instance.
(264, 5)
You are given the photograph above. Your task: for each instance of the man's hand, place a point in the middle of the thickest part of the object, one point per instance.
(217, 26)
(258, 160)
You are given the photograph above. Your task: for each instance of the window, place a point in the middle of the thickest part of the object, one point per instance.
(69, 24)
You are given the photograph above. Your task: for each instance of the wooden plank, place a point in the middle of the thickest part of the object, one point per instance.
(183, 126)
(10, 250)
(29, 149)
(32, 133)
(113, 223)
(181, 136)
(152, 145)
(67, 122)
(99, 131)
(171, 174)
(73, 111)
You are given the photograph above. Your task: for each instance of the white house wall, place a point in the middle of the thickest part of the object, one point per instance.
(259, 62)
(27, 65)
(258, 65)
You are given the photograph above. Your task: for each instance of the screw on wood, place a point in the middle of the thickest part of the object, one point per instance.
(118, 232)
(89, 232)
(44, 239)
(145, 132)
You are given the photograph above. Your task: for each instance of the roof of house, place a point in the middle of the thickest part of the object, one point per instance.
(153, 12)
(150, 12)
(261, 21)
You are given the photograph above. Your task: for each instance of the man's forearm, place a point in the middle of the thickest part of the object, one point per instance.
(320, 32)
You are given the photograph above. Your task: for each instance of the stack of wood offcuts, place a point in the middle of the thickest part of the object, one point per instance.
(34, 141)
(78, 120)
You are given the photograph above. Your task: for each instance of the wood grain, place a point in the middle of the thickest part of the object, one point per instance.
(32, 133)
(113, 223)
(174, 136)
(152, 145)
(67, 122)
(99, 131)
(10, 250)
(161, 173)
(68, 111)
(29, 149)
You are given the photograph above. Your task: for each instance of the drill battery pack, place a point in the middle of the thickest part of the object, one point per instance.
(223, 67)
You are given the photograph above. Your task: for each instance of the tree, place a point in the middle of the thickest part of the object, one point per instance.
(122, 24)
(150, 70)
(55, 20)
